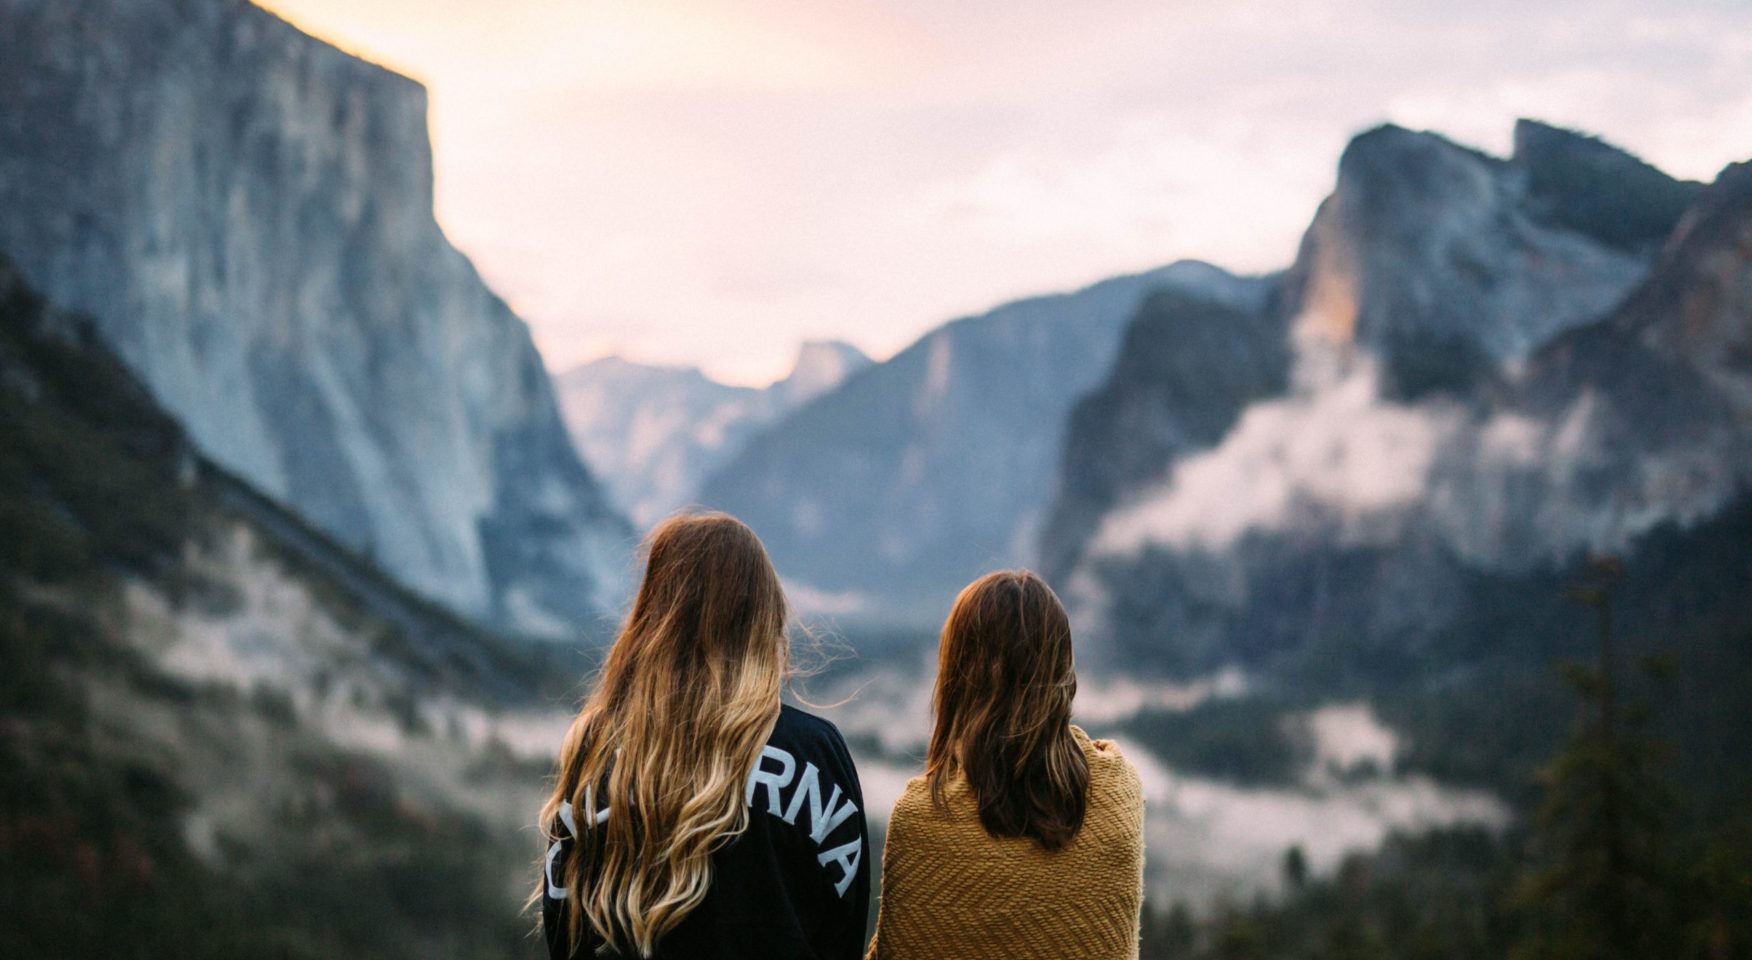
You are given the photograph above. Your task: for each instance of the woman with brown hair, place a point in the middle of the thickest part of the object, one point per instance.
(692, 814)
(1024, 838)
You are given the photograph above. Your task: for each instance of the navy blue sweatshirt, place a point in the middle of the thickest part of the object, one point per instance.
(795, 884)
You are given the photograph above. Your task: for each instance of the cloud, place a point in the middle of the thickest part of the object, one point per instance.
(1332, 454)
(1209, 838)
(1348, 736)
(1501, 489)
(651, 167)
(1237, 195)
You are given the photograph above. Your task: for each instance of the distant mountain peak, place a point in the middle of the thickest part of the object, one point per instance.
(1537, 142)
(821, 365)
(1390, 155)
(1440, 259)
(816, 352)
(621, 369)
(1585, 184)
(1536, 137)
(653, 432)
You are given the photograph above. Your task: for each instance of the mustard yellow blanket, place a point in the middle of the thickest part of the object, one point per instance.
(950, 891)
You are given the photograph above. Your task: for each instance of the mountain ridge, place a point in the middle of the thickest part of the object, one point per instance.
(1427, 247)
(880, 497)
(656, 431)
(1366, 495)
(216, 716)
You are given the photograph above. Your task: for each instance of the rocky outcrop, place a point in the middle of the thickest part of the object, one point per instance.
(1431, 265)
(654, 433)
(882, 497)
(1587, 185)
(1187, 368)
(1486, 380)
(247, 213)
(1443, 262)
(1654, 401)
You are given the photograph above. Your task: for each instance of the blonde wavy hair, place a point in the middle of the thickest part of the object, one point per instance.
(654, 765)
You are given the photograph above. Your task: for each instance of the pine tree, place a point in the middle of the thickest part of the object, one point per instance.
(1167, 936)
(1295, 869)
(1601, 886)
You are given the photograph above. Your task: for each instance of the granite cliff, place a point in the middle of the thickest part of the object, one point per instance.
(247, 214)
(1476, 368)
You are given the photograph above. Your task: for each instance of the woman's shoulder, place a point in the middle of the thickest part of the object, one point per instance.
(915, 799)
(1101, 751)
(1109, 770)
(802, 741)
(802, 722)
(799, 730)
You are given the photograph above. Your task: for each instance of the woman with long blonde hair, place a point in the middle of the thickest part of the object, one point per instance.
(693, 815)
(1024, 838)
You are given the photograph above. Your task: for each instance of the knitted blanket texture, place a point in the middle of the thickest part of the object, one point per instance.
(951, 891)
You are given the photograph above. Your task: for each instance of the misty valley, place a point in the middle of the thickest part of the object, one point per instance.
(306, 559)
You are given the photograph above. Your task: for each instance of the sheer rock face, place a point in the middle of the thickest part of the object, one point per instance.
(247, 213)
(1697, 305)
(1434, 264)
(1187, 368)
(655, 433)
(882, 497)
(1444, 262)
(1482, 368)
(1659, 392)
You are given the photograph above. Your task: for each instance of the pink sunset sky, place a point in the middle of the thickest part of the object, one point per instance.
(708, 182)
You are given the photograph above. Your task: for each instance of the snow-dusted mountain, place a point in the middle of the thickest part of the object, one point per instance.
(653, 433)
(247, 213)
(1485, 368)
(884, 496)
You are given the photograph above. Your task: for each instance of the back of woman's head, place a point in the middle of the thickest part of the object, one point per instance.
(667, 738)
(1005, 680)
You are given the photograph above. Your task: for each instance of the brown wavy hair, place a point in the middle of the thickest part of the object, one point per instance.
(666, 739)
(1005, 680)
